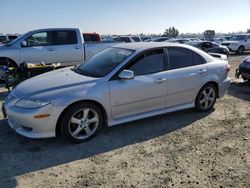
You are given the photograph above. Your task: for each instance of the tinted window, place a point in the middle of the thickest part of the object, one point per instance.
(12, 37)
(91, 38)
(124, 39)
(136, 39)
(3, 38)
(180, 57)
(148, 63)
(39, 39)
(198, 60)
(65, 37)
(104, 62)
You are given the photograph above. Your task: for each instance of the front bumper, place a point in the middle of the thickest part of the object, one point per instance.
(23, 121)
(224, 86)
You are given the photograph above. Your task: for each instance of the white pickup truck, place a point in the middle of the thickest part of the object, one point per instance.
(65, 46)
(238, 43)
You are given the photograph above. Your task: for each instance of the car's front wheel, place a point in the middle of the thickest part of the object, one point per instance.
(206, 98)
(81, 122)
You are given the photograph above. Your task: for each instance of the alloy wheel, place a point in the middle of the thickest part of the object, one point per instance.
(207, 98)
(83, 123)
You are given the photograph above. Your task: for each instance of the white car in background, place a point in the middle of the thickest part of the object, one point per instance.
(238, 43)
(127, 39)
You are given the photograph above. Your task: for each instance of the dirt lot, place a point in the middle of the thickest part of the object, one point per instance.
(181, 149)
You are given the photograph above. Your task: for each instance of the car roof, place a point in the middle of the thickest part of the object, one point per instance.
(142, 46)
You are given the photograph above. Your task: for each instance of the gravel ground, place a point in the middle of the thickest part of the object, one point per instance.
(181, 149)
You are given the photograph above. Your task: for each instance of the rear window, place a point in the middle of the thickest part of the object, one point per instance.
(12, 37)
(3, 38)
(91, 38)
(65, 37)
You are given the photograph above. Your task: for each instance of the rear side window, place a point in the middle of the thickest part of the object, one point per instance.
(180, 58)
(148, 63)
(65, 37)
(198, 60)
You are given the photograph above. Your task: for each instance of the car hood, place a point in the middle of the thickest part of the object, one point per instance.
(62, 79)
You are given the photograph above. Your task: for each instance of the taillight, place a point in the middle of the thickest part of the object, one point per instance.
(228, 68)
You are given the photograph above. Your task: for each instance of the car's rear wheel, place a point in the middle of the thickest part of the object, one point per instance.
(81, 122)
(241, 50)
(206, 98)
(245, 79)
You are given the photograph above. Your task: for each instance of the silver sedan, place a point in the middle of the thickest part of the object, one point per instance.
(120, 84)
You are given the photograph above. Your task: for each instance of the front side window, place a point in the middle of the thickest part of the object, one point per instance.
(180, 58)
(65, 37)
(104, 62)
(148, 63)
(39, 39)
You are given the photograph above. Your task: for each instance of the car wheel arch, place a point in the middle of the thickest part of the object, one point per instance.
(7, 59)
(211, 82)
(103, 110)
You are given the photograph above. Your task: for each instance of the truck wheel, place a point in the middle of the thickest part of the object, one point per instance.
(241, 50)
(81, 122)
(5, 62)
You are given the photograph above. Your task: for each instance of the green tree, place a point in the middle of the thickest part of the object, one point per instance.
(171, 32)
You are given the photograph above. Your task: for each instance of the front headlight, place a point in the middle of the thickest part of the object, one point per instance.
(31, 103)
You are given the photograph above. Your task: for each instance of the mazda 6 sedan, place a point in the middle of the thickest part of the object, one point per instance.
(120, 84)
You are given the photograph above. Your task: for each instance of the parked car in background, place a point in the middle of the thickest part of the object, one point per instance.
(194, 39)
(91, 37)
(180, 41)
(238, 43)
(127, 39)
(145, 38)
(244, 69)
(5, 38)
(120, 84)
(210, 47)
(160, 39)
(59, 45)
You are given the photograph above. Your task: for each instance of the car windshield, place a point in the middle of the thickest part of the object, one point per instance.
(104, 62)
(238, 37)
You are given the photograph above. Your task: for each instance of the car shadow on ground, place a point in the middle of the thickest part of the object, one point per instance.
(19, 155)
(240, 90)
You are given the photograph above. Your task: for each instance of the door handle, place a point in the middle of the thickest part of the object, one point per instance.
(202, 71)
(77, 47)
(51, 49)
(160, 80)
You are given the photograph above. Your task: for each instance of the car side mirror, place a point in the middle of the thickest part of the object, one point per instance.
(24, 43)
(126, 75)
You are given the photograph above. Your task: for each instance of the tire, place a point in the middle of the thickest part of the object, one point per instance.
(245, 79)
(75, 123)
(206, 98)
(241, 50)
(5, 62)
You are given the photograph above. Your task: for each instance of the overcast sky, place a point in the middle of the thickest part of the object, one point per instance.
(125, 16)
